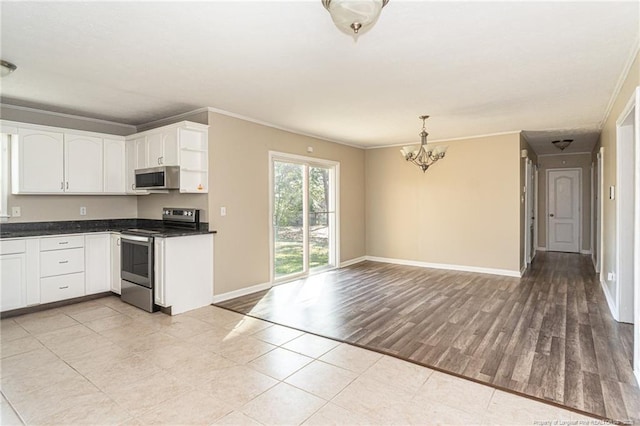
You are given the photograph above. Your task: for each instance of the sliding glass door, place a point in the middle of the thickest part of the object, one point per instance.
(303, 210)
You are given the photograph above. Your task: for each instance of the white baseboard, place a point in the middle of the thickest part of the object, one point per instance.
(637, 374)
(585, 251)
(607, 295)
(241, 292)
(353, 261)
(503, 272)
(541, 248)
(523, 270)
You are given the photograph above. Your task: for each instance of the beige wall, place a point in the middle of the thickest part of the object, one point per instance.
(238, 180)
(465, 210)
(565, 161)
(608, 142)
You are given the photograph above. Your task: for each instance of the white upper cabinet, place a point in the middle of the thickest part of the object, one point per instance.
(37, 162)
(83, 163)
(183, 144)
(49, 160)
(114, 166)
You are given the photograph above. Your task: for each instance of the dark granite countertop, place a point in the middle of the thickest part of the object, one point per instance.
(42, 229)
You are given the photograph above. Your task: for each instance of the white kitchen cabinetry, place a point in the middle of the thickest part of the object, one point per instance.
(61, 268)
(131, 164)
(115, 263)
(183, 144)
(19, 273)
(184, 272)
(50, 160)
(37, 162)
(97, 255)
(83, 162)
(13, 274)
(114, 175)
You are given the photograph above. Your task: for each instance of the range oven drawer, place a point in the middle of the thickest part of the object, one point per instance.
(59, 262)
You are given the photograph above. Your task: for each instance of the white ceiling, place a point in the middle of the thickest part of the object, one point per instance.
(475, 67)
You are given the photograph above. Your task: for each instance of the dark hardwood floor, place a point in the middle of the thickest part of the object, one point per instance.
(548, 335)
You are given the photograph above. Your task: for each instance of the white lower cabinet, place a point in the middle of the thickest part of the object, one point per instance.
(97, 267)
(115, 263)
(13, 281)
(184, 272)
(19, 280)
(61, 268)
(61, 287)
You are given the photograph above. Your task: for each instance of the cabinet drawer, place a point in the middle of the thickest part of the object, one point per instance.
(12, 246)
(61, 287)
(61, 243)
(58, 262)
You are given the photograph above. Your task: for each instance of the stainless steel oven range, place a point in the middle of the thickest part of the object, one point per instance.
(137, 256)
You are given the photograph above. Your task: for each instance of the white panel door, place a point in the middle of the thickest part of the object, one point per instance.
(83, 164)
(155, 150)
(97, 263)
(40, 162)
(13, 281)
(563, 189)
(114, 166)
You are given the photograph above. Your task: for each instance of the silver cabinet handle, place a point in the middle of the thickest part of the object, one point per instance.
(61, 185)
(118, 241)
(160, 160)
(63, 262)
(63, 287)
(67, 185)
(63, 242)
(133, 186)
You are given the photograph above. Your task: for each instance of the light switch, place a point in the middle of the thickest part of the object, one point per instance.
(223, 211)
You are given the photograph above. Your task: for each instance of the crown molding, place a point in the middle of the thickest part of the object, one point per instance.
(512, 132)
(565, 153)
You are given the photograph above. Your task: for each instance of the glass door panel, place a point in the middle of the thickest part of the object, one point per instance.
(320, 218)
(288, 218)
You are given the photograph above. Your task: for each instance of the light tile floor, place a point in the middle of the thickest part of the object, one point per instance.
(105, 362)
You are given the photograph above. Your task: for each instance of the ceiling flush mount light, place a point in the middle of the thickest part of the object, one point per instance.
(6, 68)
(354, 17)
(561, 145)
(424, 156)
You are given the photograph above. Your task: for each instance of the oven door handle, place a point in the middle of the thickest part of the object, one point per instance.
(134, 238)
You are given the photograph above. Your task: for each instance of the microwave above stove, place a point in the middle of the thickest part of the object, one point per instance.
(161, 177)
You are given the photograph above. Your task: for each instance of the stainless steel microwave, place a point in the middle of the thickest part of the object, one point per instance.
(161, 177)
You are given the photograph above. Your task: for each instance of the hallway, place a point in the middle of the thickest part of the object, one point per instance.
(548, 335)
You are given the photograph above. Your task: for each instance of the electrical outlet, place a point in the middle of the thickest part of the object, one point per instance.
(83, 211)
(611, 276)
(16, 211)
(223, 211)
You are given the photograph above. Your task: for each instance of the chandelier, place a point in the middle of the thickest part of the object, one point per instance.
(424, 156)
(354, 16)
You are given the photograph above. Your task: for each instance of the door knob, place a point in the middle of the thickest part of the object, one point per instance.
(551, 214)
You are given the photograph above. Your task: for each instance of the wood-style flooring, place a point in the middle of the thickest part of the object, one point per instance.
(547, 335)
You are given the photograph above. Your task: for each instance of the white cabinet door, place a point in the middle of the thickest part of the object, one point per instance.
(37, 162)
(141, 153)
(170, 155)
(131, 164)
(97, 263)
(155, 150)
(83, 164)
(114, 166)
(13, 281)
(115, 263)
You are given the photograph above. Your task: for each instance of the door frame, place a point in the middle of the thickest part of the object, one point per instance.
(626, 211)
(600, 210)
(312, 161)
(580, 213)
